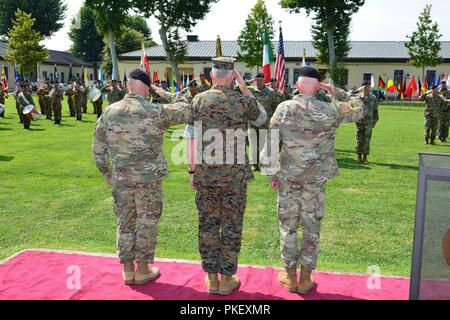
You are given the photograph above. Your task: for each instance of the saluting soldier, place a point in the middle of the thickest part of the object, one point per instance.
(70, 93)
(445, 116)
(114, 91)
(307, 131)
(221, 182)
(130, 133)
(204, 85)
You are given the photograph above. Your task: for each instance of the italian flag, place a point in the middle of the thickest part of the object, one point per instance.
(267, 57)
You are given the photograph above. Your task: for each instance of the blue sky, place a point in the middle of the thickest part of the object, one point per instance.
(377, 20)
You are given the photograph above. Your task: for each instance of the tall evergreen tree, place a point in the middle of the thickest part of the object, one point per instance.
(424, 47)
(250, 41)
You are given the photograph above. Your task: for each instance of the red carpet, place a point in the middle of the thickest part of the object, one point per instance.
(35, 275)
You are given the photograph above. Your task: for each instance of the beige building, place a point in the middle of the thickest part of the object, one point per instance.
(387, 59)
(63, 60)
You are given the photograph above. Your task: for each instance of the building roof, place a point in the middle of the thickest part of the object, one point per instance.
(55, 57)
(361, 50)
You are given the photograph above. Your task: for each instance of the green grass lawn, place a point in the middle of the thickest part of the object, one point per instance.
(52, 196)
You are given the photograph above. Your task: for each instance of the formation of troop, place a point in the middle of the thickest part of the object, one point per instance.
(437, 113)
(298, 157)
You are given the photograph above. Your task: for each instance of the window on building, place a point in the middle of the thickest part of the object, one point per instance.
(398, 77)
(45, 74)
(62, 77)
(78, 76)
(247, 76)
(51, 76)
(367, 76)
(296, 75)
(286, 76)
(6, 72)
(91, 77)
(207, 72)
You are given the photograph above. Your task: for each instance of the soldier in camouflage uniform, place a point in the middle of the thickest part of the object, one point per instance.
(41, 93)
(57, 95)
(70, 93)
(17, 89)
(79, 100)
(434, 107)
(115, 93)
(24, 98)
(204, 85)
(365, 126)
(269, 99)
(84, 97)
(307, 130)
(3, 93)
(445, 116)
(98, 104)
(130, 134)
(221, 188)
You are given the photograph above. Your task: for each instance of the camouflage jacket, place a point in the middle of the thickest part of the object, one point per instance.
(23, 97)
(130, 133)
(203, 87)
(57, 95)
(114, 95)
(323, 96)
(307, 130)
(268, 98)
(433, 105)
(370, 111)
(222, 109)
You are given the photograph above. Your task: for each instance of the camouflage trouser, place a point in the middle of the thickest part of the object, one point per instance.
(221, 215)
(443, 126)
(363, 137)
(19, 112)
(57, 111)
(303, 204)
(78, 109)
(138, 210)
(431, 125)
(98, 107)
(42, 106)
(48, 107)
(71, 106)
(84, 105)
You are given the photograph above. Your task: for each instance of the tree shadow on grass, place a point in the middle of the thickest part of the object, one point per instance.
(6, 158)
(5, 129)
(350, 163)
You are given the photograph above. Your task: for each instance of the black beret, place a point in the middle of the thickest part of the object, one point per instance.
(366, 83)
(259, 76)
(443, 81)
(140, 75)
(193, 83)
(309, 72)
(433, 86)
(274, 80)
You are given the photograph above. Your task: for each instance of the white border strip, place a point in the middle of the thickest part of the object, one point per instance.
(106, 255)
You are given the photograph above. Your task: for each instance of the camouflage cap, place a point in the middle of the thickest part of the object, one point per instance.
(223, 63)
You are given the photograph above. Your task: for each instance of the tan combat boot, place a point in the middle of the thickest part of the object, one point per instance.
(128, 273)
(212, 283)
(228, 284)
(306, 283)
(288, 279)
(144, 274)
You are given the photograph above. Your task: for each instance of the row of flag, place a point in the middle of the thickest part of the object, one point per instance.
(411, 88)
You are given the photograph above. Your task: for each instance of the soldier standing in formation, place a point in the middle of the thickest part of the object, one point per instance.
(130, 134)
(445, 116)
(84, 96)
(23, 99)
(98, 104)
(307, 130)
(70, 93)
(270, 100)
(434, 107)
(42, 93)
(79, 100)
(18, 88)
(57, 95)
(115, 93)
(221, 188)
(365, 125)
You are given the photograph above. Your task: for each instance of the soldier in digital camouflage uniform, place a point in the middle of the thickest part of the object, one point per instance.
(434, 107)
(364, 127)
(70, 93)
(130, 134)
(115, 93)
(57, 95)
(445, 116)
(307, 130)
(270, 100)
(221, 185)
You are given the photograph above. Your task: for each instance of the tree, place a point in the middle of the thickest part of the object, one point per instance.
(138, 23)
(87, 43)
(110, 17)
(49, 14)
(174, 16)
(424, 46)
(129, 40)
(250, 40)
(332, 17)
(24, 46)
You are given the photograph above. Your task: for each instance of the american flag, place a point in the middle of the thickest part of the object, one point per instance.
(280, 73)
